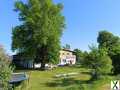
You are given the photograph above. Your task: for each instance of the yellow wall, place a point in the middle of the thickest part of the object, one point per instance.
(65, 53)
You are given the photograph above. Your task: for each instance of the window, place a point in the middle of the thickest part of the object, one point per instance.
(68, 54)
(64, 60)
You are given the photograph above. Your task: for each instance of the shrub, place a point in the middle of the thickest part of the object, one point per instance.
(99, 61)
(5, 69)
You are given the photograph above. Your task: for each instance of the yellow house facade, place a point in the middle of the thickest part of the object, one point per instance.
(67, 57)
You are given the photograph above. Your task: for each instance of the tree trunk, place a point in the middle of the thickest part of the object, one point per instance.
(33, 65)
(43, 62)
(42, 66)
(44, 58)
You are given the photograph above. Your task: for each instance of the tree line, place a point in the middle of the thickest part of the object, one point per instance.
(104, 58)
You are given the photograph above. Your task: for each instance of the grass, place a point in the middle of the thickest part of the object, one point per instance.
(45, 80)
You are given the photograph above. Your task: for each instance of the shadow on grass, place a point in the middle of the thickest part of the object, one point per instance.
(87, 73)
(67, 82)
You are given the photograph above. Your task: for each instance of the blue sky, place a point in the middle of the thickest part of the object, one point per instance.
(84, 18)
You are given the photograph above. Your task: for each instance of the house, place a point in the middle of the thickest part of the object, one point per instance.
(20, 62)
(67, 57)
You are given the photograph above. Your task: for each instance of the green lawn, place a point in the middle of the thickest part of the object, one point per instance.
(45, 80)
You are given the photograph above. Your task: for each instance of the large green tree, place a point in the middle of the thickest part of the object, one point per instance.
(38, 36)
(112, 44)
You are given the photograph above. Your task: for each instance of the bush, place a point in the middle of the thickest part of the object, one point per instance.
(5, 69)
(99, 61)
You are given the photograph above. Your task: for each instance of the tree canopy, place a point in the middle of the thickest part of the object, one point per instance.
(67, 46)
(112, 44)
(38, 37)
